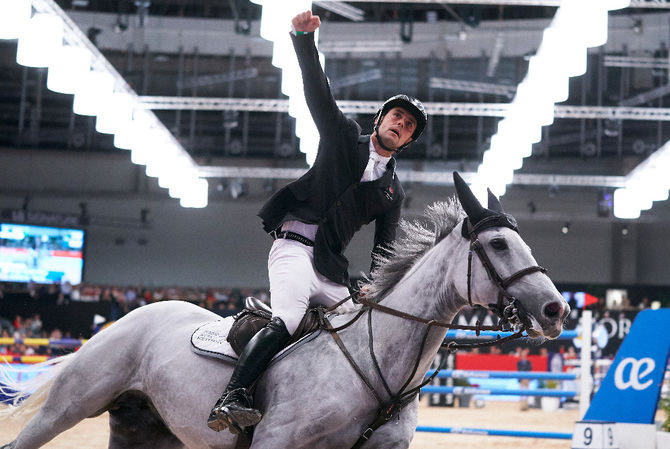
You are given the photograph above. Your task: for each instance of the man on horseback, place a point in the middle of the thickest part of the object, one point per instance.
(312, 219)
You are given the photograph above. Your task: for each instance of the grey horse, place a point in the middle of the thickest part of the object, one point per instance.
(158, 392)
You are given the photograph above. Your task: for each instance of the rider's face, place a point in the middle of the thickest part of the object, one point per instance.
(396, 128)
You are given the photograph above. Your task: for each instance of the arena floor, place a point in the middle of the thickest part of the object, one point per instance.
(93, 433)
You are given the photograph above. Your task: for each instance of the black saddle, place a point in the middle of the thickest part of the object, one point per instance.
(256, 314)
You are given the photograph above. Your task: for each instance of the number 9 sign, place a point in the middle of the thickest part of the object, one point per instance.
(594, 435)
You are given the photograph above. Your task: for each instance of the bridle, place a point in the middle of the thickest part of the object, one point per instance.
(510, 311)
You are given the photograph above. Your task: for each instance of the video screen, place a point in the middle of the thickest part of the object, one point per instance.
(41, 254)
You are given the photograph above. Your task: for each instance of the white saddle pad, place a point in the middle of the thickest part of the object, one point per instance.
(210, 339)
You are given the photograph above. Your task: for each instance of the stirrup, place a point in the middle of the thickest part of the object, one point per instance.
(234, 411)
(218, 421)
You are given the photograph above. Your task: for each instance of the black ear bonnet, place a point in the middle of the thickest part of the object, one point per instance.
(480, 218)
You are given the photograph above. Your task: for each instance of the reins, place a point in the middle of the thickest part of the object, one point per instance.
(388, 409)
(508, 308)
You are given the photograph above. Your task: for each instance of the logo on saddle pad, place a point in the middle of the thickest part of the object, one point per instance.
(639, 369)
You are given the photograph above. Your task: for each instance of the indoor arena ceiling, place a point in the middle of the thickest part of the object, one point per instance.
(478, 58)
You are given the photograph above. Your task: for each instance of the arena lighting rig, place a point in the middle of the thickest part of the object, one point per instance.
(48, 38)
(576, 26)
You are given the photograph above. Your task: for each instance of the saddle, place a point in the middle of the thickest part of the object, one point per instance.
(257, 314)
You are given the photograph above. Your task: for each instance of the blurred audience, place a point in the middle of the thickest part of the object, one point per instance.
(224, 301)
(127, 298)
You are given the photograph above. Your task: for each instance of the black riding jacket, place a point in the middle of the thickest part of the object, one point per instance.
(330, 194)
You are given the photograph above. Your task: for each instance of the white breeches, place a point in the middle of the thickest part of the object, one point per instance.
(295, 284)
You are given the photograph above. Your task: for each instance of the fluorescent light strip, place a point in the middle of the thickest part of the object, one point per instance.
(646, 183)
(75, 66)
(275, 26)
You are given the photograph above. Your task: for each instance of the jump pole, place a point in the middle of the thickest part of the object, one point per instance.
(495, 432)
(586, 379)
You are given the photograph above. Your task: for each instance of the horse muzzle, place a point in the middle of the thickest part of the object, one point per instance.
(552, 319)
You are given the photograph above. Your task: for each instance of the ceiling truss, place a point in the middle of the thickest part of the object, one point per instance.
(443, 177)
(433, 108)
(655, 4)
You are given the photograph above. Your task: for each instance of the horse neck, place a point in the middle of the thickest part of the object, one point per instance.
(426, 291)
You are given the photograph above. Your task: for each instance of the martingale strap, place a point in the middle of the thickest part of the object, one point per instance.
(399, 400)
(350, 359)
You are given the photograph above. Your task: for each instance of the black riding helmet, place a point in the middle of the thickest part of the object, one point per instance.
(410, 104)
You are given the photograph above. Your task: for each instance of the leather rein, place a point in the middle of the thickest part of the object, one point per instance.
(510, 311)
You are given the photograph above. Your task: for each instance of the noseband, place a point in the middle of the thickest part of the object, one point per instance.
(510, 310)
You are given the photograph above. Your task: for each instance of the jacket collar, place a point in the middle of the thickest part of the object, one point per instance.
(364, 155)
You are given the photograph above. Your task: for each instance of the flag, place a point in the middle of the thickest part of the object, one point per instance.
(583, 300)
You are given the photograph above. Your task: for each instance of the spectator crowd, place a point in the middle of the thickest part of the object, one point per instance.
(31, 327)
(222, 301)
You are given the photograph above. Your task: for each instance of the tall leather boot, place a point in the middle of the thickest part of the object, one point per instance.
(235, 409)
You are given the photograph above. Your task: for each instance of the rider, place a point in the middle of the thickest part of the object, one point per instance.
(312, 219)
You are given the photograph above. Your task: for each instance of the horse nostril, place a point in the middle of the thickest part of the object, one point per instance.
(553, 309)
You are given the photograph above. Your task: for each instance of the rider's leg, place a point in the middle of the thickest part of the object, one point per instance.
(330, 293)
(234, 409)
(291, 283)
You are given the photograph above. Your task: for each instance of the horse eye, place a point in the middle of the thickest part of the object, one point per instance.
(499, 244)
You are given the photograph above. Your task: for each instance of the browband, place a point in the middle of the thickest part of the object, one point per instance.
(493, 221)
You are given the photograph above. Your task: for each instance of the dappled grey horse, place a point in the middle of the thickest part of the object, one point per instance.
(158, 392)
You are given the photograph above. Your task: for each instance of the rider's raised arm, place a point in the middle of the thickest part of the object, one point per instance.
(327, 116)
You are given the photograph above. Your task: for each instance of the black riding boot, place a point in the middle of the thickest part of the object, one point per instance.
(235, 409)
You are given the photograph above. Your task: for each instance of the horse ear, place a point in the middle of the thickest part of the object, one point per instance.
(470, 203)
(494, 202)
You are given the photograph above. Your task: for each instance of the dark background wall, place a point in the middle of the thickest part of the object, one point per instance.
(224, 244)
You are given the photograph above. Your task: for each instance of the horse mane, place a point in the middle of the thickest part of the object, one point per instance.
(418, 237)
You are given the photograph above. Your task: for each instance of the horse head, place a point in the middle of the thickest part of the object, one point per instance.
(502, 273)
